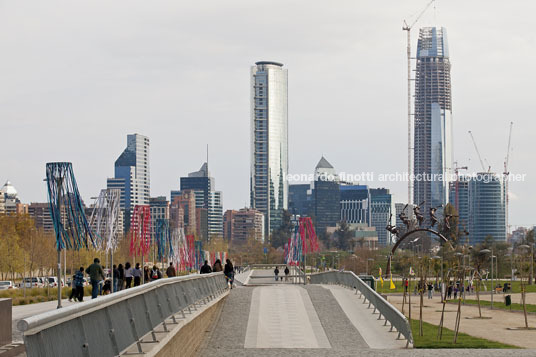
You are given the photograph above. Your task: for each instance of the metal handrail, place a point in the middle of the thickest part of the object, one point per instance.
(110, 324)
(388, 311)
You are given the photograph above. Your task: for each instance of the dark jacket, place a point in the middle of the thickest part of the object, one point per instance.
(95, 272)
(287, 271)
(276, 271)
(170, 272)
(78, 279)
(228, 270)
(217, 267)
(205, 269)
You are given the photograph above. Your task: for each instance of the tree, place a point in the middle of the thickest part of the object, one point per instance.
(280, 237)
(344, 234)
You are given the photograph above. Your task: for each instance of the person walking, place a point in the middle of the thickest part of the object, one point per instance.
(276, 273)
(121, 277)
(287, 272)
(128, 275)
(229, 272)
(78, 286)
(155, 273)
(217, 266)
(170, 272)
(96, 275)
(430, 291)
(136, 274)
(205, 269)
(116, 277)
(146, 274)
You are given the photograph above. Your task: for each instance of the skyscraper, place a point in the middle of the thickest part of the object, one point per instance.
(433, 119)
(381, 208)
(132, 175)
(208, 199)
(327, 196)
(481, 206)
(269, 141)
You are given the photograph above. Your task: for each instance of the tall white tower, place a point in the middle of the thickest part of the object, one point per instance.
(269, 141)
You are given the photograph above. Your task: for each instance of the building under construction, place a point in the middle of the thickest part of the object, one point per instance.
(433, 120)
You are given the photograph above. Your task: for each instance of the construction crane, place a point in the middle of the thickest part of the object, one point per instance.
(506, 173)
(408, 28)
(477, 152)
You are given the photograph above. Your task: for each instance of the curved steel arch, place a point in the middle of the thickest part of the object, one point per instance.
(407, 234)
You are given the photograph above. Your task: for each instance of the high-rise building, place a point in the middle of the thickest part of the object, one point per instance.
(132, 176)
(481, 206)
(355, 204)
(228, 224)
(433, 120)
(459, 198)
(208, 199)
(40, 212)
(9, 199)
(248, 223)
(159, 208)
(300, 200)
(381, 208)
(486, 208)
(269, 141)
(183, 212)
(326, 196)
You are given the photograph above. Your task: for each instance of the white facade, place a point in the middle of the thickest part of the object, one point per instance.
(269, 141)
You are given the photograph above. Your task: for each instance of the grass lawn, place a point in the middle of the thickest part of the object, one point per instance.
(516, 286)
(429, 340)
(499, 304)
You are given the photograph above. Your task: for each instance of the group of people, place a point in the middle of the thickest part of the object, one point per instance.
(228, 270)
(276, 274)
(123, 278)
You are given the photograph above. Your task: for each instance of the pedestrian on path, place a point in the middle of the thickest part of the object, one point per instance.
(205, 269)
(96, 275)
(430, 291)
(229, 272)
(276, 273)
(217, 266)
(116, 277)
(155, 273)
(78, 286)
(136, 274)
(121, 277)
(146, 274)
(128, 275)
(170, 272)
(287, 272)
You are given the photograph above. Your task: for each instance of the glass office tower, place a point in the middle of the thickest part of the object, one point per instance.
(269, 142)
(433, 120)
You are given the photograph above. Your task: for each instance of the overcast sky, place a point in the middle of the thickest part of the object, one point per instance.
(77, 77)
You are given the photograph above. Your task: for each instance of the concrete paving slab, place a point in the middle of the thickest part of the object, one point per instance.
(373, 331)
(283, 317)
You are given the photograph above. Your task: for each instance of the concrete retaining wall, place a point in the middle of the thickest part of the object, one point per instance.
(188, 339)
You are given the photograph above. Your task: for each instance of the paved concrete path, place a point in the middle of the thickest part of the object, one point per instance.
(283, 317)
(228, 335)
(22, 311)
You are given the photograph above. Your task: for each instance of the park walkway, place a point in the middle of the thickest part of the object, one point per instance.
(281, 319)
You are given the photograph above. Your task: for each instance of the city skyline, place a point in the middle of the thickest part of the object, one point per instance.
(319, 122)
